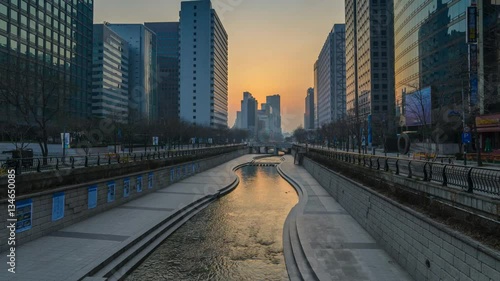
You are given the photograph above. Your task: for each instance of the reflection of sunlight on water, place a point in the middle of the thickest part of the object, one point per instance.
(238, 237)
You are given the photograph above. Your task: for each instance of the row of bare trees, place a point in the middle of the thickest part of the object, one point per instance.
(34, 98)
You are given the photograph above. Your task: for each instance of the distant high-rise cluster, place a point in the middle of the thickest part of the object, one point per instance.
(128, 73)
(263, 124)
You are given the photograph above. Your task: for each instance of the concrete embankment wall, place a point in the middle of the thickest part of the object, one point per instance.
(426, 249)
(54, 209)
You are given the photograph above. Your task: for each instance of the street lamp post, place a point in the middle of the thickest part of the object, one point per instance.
(464, 126)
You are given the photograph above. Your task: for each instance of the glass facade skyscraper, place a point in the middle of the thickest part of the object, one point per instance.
(110, 75)
(167, 37)
(331, 77)
(143, 74)
(54, 35)
(430, 50)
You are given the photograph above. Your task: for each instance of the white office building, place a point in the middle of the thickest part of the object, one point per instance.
(203, 65)
(330, 77)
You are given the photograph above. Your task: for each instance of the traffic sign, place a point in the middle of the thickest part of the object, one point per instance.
(466, 138)
(467, 129)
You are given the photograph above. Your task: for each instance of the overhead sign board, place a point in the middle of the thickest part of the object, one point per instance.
(472, 25)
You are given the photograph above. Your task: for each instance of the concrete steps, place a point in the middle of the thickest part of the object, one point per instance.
(131, 255)
(298, 266)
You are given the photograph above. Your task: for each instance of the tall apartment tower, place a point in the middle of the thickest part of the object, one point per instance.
(309, 110)
(167, 38)
(331, 77)
(203, 65)
(143, 99)
(369, 59)
(110, 73)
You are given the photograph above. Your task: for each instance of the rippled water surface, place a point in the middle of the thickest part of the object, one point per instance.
(238, 237)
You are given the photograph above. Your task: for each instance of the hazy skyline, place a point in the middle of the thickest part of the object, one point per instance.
(273, 44)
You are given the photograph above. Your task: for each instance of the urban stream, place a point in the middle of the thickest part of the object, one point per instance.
(239, 237)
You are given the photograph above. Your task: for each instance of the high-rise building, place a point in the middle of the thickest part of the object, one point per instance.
(430, 50)
(203, 65)
(275, 102)
(316, 95)
(309, 110)
(167, 37)
(331, 77)
(237, 122)
(369, 60)
(143, 98)
(50, 36)
(432, 57)
(248, 112)
(110, 75)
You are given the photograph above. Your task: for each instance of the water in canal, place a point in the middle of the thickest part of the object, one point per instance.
(238, 237)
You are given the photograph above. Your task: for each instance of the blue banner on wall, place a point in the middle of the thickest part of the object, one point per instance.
(172, 175)
(126, 187)
(150, 180)
(24, 215)
(138, 184)
(57, 206)
(111, 191)
(370, 131)
(92, 201)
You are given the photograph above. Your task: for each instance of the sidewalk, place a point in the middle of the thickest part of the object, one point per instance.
(334, 245)
(444, 158)
(73, 252)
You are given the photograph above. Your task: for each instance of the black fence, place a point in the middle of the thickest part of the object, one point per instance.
(470, 179)
(39, 164)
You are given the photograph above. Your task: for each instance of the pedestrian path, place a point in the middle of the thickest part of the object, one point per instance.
(105, 243)
(325, 242)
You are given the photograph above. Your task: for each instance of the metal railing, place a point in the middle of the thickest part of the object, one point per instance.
(470, 179)
(39, 164)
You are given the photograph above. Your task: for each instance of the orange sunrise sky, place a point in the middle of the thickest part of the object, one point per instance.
(273, 44)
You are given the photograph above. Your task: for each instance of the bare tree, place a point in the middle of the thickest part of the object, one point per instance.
(37, 93)
(18, 134)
